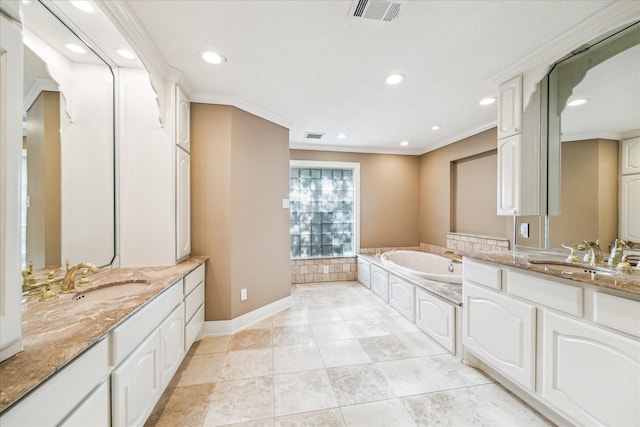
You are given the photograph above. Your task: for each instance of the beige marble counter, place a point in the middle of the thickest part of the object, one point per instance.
(56, 332)
(626, 282)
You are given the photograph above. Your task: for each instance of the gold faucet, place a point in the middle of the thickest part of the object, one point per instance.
(52, 273)
(616, 252)
(28, 278)
(594, 257)
(572, 255)
(69, 281)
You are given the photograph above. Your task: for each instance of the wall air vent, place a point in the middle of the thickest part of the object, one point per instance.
(313, 135)
(378, 10)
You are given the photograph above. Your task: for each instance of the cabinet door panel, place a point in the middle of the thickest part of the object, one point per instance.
(510, 108)
(183, 118)
(630, 156)
(95, 411)
(436, 318)
(364, 273)
(402, 297)
(509, 172)
(500, 331)
(589, 374)
(183, 204)
(630, 207)
(380, 282)
(171, 345)
(136, 384)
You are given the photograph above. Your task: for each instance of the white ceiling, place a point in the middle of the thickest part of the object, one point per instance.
(312, 67)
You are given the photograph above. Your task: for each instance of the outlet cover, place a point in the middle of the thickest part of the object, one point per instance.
(524, 230)
(243, 294)
(326, 269)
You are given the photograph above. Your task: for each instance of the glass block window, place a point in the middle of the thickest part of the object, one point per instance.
(323, 212)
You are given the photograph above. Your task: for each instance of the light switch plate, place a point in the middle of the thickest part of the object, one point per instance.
(524, 230)
(285, 203)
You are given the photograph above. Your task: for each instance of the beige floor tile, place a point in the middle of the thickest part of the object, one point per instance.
(398, 325)
(290, 317)
(358, 384)
(331, 331)
(367, 328)
(250, 339)
(342, 353)
(385, 348)
(290, 335)
(247, 364)
(209, 344)
(296, 358)
(411, 376)
(385, 413)
(267, 422)
(442, 409)
(240, 401)
(326, 418)
(456, 373)
(263, 324)
(182, 406)
(302, 392)
(323, 315)
(198, 369)
(421, 344)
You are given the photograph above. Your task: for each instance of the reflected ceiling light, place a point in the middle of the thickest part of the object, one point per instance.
(342, 136)
(83, 5)
(577, 101)
(487, 101)
(394, 79)
(125, 53)
(404, 143)
(75, 48)
(435, 127)
(213, 57)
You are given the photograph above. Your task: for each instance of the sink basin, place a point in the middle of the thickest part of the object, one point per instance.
(568, 268)
(112, 290)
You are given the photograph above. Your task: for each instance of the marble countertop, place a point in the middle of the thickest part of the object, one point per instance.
(56, 332)
(626, 282)
(451, 292)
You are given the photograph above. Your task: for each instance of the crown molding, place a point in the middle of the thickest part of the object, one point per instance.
(463, 135)
(38, 86)
(242, 104)
(614, 136)
(612, 16)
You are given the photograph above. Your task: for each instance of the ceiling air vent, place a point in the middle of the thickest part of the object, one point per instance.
(313, 135)
(377, 10)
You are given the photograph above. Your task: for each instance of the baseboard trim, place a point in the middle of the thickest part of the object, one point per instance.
(228, 327)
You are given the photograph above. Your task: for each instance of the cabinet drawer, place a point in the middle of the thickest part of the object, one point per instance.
(95, 411)
(565, 298)
(193, 301)
(127, 336)
(482, 274)
(193, 279)
(51, 402)
(617, 313)
(193, 328)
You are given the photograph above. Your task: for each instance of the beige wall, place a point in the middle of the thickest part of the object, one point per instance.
(438, 190)
(44, 181)
(240, 175)
(589, 194)
(388, 195)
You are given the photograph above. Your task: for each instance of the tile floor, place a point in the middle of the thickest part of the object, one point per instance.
(338, 357)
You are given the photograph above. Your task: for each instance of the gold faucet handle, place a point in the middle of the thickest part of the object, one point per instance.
(572, 255)
(624, 265)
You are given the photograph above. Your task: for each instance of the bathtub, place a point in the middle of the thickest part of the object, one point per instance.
(423, 264)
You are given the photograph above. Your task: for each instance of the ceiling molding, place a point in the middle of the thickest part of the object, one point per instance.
(615, 15)
(614, 136)
(352, 149)
(233, 101)
(38, 86)
(461, 136)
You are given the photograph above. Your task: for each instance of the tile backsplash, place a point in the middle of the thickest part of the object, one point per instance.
(475, 243)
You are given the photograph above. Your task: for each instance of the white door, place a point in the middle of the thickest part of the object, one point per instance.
(135, 384)
(509, 175)
(171, 345)
(590, 374)
(10, 161)
(510, 108)
(501, 332)
(630, 156)
(183, 117)
(630, 207)
(183, 204)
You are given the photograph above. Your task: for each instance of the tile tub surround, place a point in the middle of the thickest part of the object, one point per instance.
(56, 332)
(337, 375)
(626, 282)
(312, 270)
(476, 243)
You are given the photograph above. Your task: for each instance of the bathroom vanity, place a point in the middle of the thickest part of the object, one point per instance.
(566, 342)
(91, 360)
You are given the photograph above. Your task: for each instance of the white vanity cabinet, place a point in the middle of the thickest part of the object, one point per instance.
(590, 374)
(364, 273)
(402, 297)
(380, 282)
(194, 286)
(510, 107)
(437, 319)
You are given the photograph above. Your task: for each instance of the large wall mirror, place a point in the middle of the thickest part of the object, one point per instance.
(68, 147)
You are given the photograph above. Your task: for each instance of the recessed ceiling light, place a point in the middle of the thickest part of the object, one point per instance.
(577, 101)
(342, 136)
(404, 143)
(394, 79)
(83, 5)
(435, 127)
(213, 57)
(75, 48)
(487, 101)
(125, 53)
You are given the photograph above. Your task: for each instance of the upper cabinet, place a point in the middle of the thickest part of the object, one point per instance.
(629, 213)
(630, 156)
(183, 111)
(510, 108)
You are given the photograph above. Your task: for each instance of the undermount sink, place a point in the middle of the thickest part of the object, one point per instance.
(112, 290)
(568, 268)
